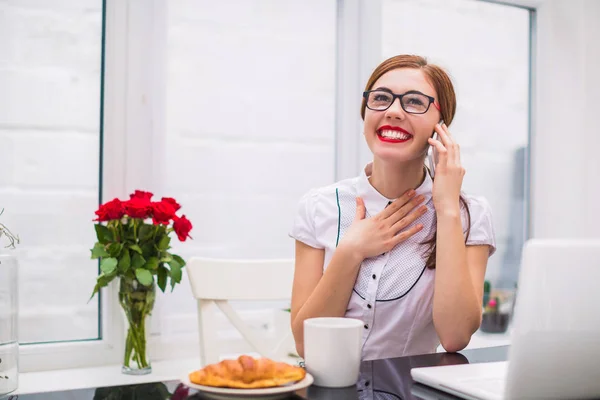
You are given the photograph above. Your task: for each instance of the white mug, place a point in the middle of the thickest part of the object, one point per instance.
(332, 350)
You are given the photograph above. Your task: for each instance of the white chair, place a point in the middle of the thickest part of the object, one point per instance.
(216, 282)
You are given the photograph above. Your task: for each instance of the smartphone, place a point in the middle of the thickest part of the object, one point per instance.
(432, 155)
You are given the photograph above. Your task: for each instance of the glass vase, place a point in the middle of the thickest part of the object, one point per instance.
(9, 343)
(137, 302)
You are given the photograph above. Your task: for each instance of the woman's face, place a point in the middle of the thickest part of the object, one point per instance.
(394, 134)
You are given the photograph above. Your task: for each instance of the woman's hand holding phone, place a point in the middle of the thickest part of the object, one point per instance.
(449, 171)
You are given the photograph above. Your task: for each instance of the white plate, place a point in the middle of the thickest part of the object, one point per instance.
(279, 392)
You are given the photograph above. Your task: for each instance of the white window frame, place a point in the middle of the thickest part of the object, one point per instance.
(358, 53)
(134, 107)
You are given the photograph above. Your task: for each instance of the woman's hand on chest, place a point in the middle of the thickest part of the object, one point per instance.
(370, 237)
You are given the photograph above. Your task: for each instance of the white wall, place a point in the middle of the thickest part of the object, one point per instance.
(250, 128)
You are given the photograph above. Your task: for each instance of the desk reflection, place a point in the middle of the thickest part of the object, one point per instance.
(389, 380)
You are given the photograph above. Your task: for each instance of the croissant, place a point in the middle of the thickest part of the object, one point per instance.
(247, 373)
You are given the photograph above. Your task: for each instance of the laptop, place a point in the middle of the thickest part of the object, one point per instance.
(555, 341)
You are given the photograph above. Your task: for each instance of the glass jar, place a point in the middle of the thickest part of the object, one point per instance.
(9, 343)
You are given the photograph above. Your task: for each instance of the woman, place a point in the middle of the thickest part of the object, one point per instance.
(403, 252)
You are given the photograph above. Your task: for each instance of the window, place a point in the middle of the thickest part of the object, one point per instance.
(50, 72)
(485, 48)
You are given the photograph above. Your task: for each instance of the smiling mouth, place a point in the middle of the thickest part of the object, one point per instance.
(393, 134)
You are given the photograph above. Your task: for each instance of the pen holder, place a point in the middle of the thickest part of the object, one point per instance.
(498, 311)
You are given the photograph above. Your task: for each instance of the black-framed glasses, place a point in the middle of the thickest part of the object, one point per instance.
(413, 101)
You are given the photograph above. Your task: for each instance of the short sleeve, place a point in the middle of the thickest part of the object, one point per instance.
(303, 227)
(482, 228)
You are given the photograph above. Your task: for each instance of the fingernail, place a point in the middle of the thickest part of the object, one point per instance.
(423, 210)
(411, 193)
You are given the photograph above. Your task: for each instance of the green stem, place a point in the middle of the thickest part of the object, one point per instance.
(122, 232)
(136, 341)
(137, 302)
(128, 349)
(135, 238)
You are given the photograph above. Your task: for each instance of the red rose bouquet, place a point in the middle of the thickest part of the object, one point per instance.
(133, 244)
